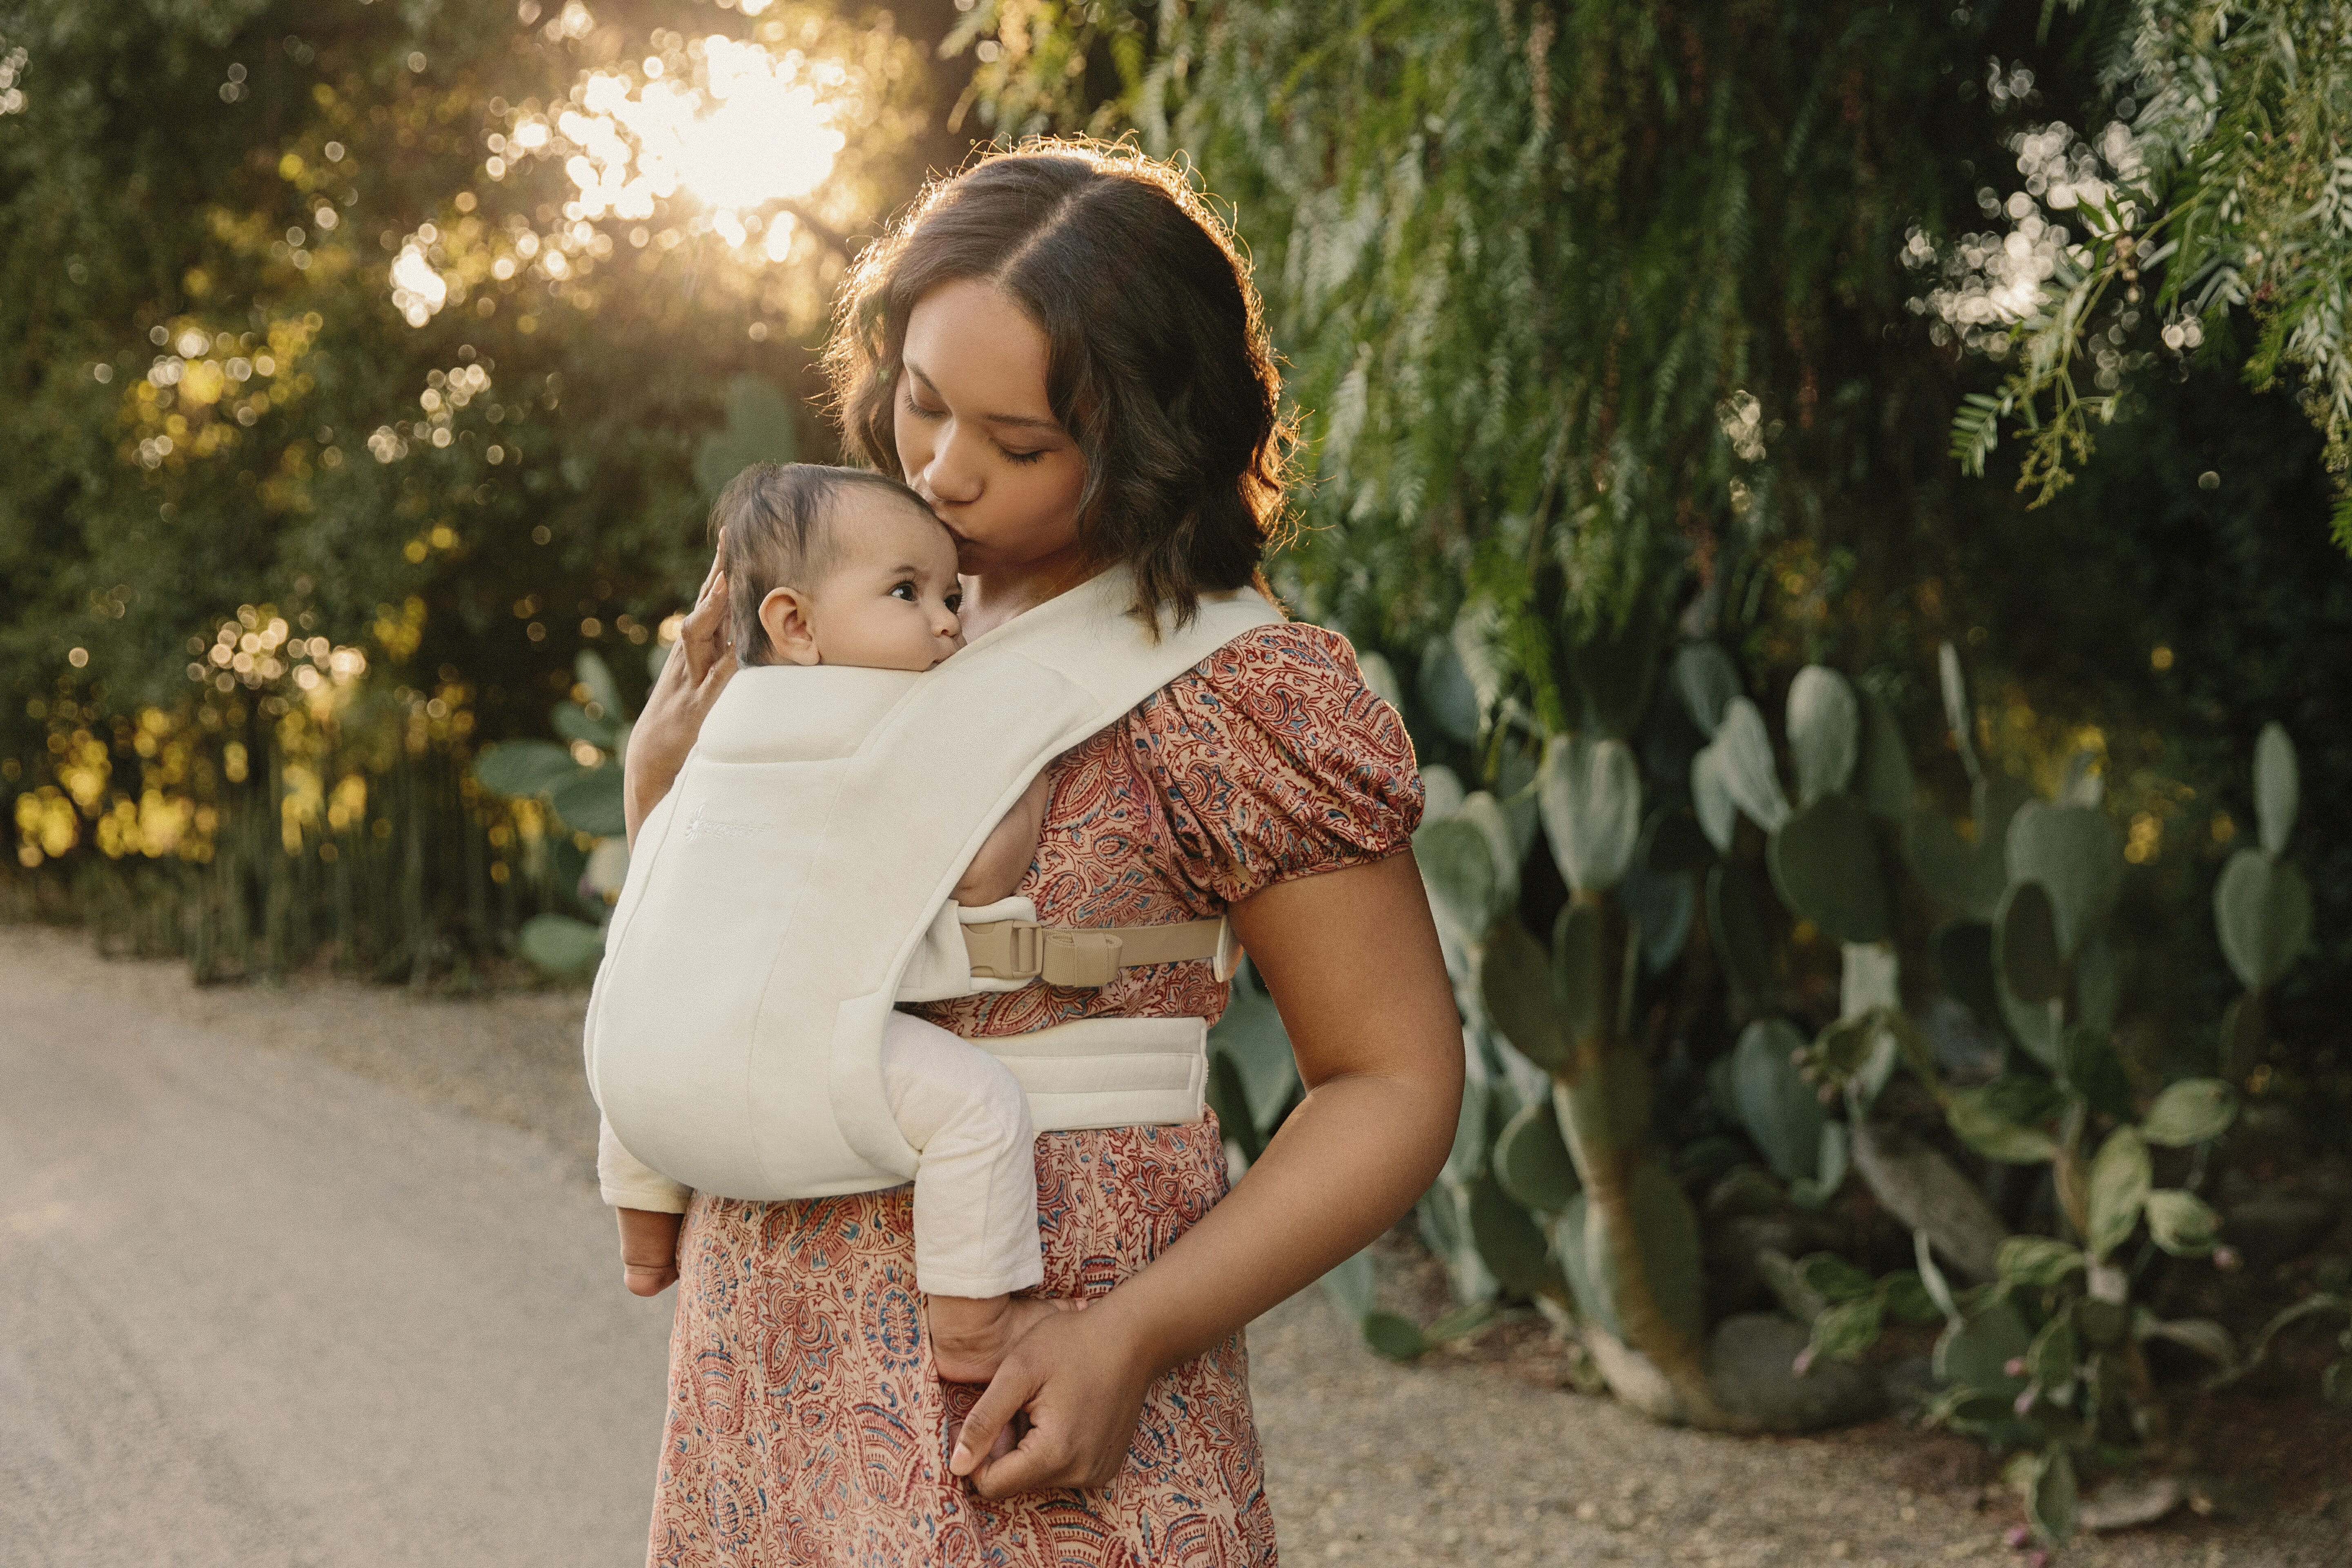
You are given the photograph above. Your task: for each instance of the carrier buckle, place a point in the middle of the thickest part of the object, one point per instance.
(1092, 956)
(1005, 950)
(1087, 958)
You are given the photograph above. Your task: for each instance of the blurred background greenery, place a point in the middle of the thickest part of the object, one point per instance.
(372, 366)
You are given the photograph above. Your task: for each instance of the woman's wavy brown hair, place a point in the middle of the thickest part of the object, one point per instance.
(1158, 363)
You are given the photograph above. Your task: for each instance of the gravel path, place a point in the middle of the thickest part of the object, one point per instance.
(258, 1311)
(1466, 1457)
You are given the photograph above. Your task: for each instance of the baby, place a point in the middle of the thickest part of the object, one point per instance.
(846, 567)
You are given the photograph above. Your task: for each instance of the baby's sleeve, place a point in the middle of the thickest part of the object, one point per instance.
(628, 1183)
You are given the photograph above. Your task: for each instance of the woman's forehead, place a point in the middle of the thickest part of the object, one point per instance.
(975, 345)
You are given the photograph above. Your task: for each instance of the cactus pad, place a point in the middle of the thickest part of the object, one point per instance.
(1509, 1243)
(1744, 755)
(1516, 986)
(1718, 813)
(1825, 864)
(2264, 910)
(2278, 788)
(2025, 944)
(1590, 794)
(1707, 681)
(1824, 732)
(2076, 853)
(1457, 864)
(1884, 781)
(1775, 1103)
(1532, 1162)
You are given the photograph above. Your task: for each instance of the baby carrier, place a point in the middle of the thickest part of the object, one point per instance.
(795, 884)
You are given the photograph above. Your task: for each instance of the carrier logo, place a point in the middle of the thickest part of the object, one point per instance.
(701, 826)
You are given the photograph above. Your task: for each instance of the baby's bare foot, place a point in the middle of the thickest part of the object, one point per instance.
(970, 1336)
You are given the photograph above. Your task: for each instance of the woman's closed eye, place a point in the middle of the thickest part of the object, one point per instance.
(916, 407)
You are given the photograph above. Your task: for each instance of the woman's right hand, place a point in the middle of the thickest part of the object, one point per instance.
(692, 676)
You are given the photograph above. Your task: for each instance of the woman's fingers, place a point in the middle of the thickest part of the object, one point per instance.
(1007, 1391)
(1041, 1459)
(717, 554)
(1079, 1385)
(702, 636)
(716, 676)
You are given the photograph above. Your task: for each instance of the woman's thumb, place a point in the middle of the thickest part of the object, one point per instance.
(1007, 1391)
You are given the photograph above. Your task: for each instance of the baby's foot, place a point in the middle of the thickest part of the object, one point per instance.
(969, 1335)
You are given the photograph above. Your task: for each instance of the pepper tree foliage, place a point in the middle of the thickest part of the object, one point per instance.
(1574, 295)
(298, 318)
(2228, 187)
(1530, 263)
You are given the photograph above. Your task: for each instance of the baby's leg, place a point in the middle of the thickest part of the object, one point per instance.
(975, 1193)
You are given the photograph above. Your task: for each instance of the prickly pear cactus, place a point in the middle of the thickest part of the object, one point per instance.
(2262, 905)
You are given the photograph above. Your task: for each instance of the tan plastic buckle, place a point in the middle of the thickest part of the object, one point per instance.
(1005, 950)
(1087, 958)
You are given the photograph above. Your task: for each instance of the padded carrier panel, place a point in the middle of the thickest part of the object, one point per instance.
(810, 845)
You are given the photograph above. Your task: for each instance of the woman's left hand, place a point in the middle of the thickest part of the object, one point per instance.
(691, 679)
(1081, 1377)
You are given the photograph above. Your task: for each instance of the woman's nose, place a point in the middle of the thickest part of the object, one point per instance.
(950, 477)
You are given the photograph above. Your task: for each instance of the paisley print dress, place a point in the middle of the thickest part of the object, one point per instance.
(806, 1425)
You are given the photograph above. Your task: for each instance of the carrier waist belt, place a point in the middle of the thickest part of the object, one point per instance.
(1109, 1072)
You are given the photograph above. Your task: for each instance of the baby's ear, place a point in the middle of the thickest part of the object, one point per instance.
(784, 616)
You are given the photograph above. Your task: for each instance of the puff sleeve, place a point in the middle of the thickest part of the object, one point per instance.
(1273, 760)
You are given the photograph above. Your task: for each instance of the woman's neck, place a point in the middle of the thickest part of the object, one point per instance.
(993, 598)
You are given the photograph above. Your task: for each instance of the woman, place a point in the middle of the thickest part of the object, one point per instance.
(1060, 351)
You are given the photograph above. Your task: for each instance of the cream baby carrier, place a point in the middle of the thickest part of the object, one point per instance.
(795, 884)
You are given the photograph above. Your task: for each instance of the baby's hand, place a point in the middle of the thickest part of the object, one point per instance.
(648, 1251)
(969, 1335)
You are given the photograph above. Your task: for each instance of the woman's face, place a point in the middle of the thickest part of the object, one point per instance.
(977, 438)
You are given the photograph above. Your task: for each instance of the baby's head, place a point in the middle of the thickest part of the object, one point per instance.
(836, 566)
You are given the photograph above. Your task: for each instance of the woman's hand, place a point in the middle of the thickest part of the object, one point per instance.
(1081, 1377)
(1351, 960)
(692, 680)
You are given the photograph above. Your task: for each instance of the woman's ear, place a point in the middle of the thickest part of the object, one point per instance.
(784, 616)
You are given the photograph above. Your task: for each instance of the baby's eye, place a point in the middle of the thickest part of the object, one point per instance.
(955, 604)
(905, 591)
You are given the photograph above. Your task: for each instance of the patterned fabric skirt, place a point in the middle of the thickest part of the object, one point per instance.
(807, 1428)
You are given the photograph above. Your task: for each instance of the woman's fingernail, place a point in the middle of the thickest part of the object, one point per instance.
(960, 1464)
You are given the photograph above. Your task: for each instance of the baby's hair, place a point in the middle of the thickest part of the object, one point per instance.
(777, 531)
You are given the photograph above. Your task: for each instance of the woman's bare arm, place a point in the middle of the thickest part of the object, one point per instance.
(1351, 960)
(690, 680)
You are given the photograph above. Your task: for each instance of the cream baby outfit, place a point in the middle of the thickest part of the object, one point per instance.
(963, 1113)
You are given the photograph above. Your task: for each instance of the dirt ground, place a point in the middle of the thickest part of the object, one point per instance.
(1475, 1455)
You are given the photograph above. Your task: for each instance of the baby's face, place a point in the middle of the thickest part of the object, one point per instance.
(890, 601)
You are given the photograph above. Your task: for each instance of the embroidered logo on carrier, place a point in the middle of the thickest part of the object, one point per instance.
(701, 826)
